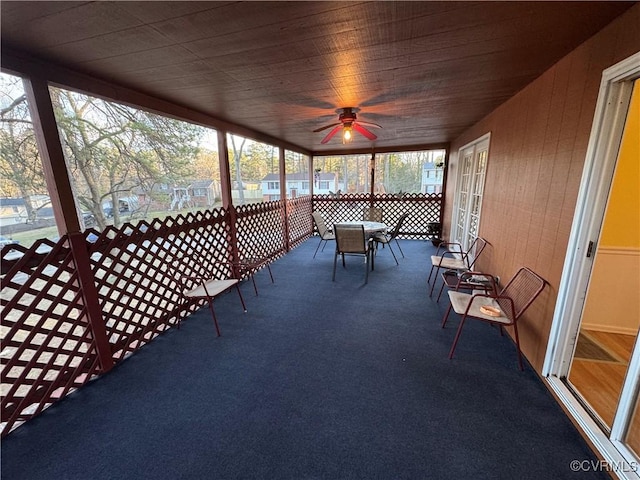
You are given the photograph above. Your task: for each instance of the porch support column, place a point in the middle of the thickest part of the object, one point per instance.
(227, 199)
(65, 210)
(372, 176)
(312, 186)
(283, 196)
(63, 203)
(443, 194)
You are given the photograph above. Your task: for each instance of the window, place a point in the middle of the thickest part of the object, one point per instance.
(297, 170)
(347, 173)
(410, 172)
(26, 208)
(252, 164)
(120, 159)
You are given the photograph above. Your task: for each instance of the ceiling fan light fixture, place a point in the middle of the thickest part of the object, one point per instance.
(348, 123)
(347, 134)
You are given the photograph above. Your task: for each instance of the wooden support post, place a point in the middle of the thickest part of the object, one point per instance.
(56, 175)
(283, 195)
(372, 165)
(445, 170)
(227, 198)
(65, 209)
(90, 299)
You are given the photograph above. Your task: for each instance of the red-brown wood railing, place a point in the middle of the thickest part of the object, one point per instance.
(73, 309)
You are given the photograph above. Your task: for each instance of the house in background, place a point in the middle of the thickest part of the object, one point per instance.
(432, 175)
(196, 193)
(204, 193)
(298, 184)
(14, 210)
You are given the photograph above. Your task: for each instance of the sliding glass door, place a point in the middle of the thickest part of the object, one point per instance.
(593, 359)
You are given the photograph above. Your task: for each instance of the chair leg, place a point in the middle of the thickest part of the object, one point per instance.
(455, 341)
(253, 279)
(314, 255)
(335, 261)
(394, 255)
(446, 315)
(244, 307)
(368, 255)
(270, 274)
(399, 247)
(515, 334)
(440, 292)
(213, 313)
(435, 279)
(430, 272)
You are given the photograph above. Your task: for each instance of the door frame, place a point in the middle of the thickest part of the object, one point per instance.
(480, 141)
(602, 152)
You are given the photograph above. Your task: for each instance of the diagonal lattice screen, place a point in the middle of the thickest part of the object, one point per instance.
(73, 309)
(422, 209)
(47, 347)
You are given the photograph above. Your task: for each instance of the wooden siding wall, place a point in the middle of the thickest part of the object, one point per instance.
(538, 145)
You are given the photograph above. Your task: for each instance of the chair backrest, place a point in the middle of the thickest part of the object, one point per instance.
(474, 251)
(396, 229)
(372, 214)
(320, 225)
(350, 238)
(522, 289)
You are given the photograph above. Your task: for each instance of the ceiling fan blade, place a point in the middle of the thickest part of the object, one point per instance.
(358, 128)
(332, 133)
(369, 124)
(327, 126)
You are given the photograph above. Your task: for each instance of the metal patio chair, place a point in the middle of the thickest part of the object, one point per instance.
(351, 240)
(503, 309)
(450, 256)
(325, 233)
(372, 214)
(387, 238)
(196, 288)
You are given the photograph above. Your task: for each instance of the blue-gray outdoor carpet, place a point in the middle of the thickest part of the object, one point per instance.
(319, 380)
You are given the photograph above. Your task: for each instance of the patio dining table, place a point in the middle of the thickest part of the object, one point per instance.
(370, 228)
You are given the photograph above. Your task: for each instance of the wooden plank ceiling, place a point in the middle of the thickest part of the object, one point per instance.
(425, 71)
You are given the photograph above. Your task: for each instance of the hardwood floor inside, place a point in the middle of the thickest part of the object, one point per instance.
(633, 434)
(599, 368)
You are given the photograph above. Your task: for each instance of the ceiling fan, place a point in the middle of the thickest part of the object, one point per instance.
(348, 123)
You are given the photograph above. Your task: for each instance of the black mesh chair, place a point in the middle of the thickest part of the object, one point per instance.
(351, 240)
(325, 233)
(387, 238)
(372, 214)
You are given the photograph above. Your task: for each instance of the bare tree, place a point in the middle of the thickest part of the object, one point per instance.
(20, 167)
(112, 150)
(237, 156)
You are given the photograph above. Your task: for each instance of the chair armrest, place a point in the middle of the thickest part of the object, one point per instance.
(447, 249)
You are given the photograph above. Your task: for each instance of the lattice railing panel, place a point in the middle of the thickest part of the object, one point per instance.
(60, 321)
(300, 224)
(260, 230)
(47, 347)
(422, 209)
(137, 280)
